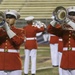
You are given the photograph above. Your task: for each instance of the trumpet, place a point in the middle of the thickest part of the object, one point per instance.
(60, 13)
(2, 18)
(39, 24)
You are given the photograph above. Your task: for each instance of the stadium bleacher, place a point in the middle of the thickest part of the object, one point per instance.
(38, 8)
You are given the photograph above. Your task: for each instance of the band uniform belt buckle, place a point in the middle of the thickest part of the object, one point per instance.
(5, 50)
(69, 48)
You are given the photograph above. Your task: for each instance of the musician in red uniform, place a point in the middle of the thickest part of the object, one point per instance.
(31, 44)
(53, 44)
(10, 40)
(54, 48)
(67, 33)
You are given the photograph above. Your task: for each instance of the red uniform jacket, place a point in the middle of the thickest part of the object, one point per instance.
(53, 39)
(10, 60)
(30, 32)
(68, 54)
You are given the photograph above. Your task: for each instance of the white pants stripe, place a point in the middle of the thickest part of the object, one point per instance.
(68, 72)
(60, 69)
(10, 50)
(30, 53)
(15, 72)
(54, 54)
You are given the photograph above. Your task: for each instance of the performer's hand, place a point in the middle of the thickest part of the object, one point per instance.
(66, 20)
(6, 27)
(72, 24)
(55, 18)
(10, 33)
(53, 22)
(44, 25)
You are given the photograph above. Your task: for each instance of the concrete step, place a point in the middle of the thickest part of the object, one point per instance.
(37, 16)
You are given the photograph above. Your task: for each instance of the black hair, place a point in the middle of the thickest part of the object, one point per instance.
(72, 13)
(10, 16)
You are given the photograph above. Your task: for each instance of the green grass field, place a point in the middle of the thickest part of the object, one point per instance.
(44, 66)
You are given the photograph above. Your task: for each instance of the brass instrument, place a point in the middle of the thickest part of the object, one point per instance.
(39, 24)
(60, 13)
(2, 18)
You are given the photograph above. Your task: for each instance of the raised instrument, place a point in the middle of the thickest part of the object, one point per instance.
(60, 13)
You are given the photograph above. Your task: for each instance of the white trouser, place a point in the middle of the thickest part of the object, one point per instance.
(15, 72)
(46, 37)
(54, 54)
(33, 54)
(68, 72)
(60, 69)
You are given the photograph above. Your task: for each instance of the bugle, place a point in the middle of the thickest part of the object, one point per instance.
(60, 13)
(39, 24)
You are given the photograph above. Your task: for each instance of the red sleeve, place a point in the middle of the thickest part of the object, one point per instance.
(40, 29)
(2, 32)
(19, 38)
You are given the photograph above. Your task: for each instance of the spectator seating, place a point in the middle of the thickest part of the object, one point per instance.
(40, 9)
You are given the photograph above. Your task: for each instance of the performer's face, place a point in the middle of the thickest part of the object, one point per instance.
(10, 21)
(72, 18)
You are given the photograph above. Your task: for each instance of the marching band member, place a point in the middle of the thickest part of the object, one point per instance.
(10, 40)
(31, 44)
(67, 33)
(53, 44)
(54, 48)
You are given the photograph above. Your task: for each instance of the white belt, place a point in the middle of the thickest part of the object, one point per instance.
(9, 50)
(34, 38)
(60, 40)
(66, 48)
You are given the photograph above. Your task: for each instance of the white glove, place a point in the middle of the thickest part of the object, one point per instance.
(67, 20)
(6, 27)
(53, 23)
(44, 25)
(38, 26)
(10, 33)
(72, 24)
